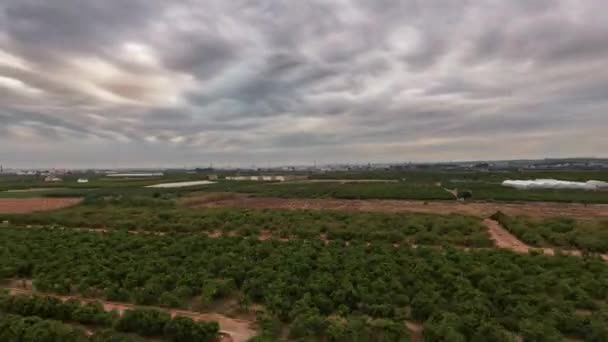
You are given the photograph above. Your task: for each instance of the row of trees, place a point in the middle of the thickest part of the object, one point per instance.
(389, 227)
(139, 321)
(15, 328)
(314, 286)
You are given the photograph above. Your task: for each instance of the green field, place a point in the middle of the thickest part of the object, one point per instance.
(327, 292)
(410, 185)
(310, 275)
(163, 217)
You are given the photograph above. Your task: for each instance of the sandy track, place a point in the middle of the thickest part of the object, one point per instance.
(416, 331)
(503, 238)
(481, 209)
(238, 330)
(28, 205)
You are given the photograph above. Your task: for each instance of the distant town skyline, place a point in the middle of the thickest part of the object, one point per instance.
(154, 83)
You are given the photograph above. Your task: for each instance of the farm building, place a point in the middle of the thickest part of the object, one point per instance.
(82, 180)
(52, 179)
(133, 175)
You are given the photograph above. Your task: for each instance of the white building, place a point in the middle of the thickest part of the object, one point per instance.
(271, 178)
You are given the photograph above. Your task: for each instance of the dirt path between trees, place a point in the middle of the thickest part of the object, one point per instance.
(231, 329)
(28, 205)
(504, 239)
(480, 209)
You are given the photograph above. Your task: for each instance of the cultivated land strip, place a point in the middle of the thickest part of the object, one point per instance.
(502, 238)
(480, 209)
(238, 330)
(28, 205)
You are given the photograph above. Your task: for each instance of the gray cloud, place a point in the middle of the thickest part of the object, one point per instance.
(155, 83)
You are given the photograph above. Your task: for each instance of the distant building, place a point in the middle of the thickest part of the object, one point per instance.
(134, 175)
(52, 179)
(267, 178)
(82, 180)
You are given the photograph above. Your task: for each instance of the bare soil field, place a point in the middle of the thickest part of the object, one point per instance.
(341, 181)
(231, 329)
(28, 205)
(34, 190)
(480, 209)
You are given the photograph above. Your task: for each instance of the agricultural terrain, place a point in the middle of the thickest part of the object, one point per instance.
(338, 257)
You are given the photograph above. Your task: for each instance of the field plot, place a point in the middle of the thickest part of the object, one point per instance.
(344, 190)
(480, 209)
(585, 235)
(422, 186)
(351, 226)
(28, 205)
(498, 192)
(324, 291)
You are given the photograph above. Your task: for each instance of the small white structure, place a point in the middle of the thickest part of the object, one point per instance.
(267, 178)
(52, 179)
(134, 175)
(82, 180)
(180, 184)
(555, 184)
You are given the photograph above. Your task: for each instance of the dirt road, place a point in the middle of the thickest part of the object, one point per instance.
(238, 330)
(28, 205)
(480, 209)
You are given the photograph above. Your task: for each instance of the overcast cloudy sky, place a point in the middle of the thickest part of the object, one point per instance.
(175, 83)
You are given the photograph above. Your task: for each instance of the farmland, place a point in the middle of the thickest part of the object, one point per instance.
(380, 282)
(589, 235)
(432, 185)
(26, 205)
(336, 258)
(363, 226)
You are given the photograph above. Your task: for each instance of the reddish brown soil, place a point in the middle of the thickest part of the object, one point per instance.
(236, 330)
(415, 331)
(503, 238)
(28, 205)
(481, 209)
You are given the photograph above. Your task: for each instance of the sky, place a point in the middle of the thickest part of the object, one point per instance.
(156, 83)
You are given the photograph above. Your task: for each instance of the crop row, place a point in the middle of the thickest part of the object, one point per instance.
(327, 291)
(392, 227)
(149, 323)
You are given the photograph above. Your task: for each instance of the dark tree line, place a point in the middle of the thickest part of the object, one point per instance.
(139, 321)
(15, 328)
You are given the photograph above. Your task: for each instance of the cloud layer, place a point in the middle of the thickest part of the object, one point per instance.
(158, 83)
